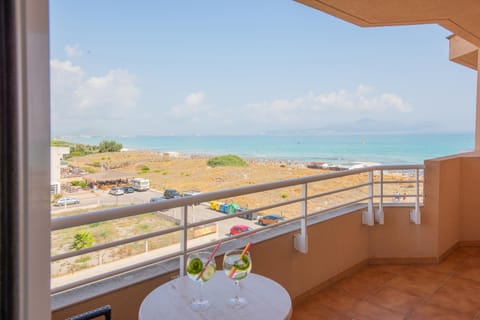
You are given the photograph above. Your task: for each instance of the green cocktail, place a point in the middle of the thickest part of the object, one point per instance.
(200, 269)
(237, 266)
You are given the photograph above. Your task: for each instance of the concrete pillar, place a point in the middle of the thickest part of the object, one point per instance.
(477, 114)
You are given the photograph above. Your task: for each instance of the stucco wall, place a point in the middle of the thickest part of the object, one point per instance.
(449, 203)
(334, 246)
(470, 199)
(399, 240)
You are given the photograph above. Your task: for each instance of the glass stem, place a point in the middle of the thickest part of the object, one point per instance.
(237, 290)
(200, 299)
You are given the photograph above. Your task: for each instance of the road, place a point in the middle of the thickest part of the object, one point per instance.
(92, 200)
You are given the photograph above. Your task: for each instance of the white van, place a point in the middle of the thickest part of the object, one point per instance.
(140, 184)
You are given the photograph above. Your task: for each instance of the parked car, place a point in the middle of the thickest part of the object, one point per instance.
(237, 229)
(67, 201)
(128, 189)
(270, 219)
(116, 191)
(171, 193)
(190, 193)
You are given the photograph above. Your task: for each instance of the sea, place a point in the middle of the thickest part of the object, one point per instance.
(342, 150)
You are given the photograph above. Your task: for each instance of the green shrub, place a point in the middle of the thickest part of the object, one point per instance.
(78, 183)
(59, 143)
(284, 195)
(82, 240)
(229, 160)
(109, 146)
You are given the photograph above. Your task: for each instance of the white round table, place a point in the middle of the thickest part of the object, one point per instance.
(266, 299)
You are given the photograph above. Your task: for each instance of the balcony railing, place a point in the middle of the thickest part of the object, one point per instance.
(374, 188)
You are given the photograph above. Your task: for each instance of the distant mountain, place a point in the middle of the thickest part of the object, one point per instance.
(366, 126)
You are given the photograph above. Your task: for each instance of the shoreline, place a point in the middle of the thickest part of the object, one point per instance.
(299, 163)
(343, 151)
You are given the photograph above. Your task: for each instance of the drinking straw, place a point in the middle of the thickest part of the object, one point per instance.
(245, 250)
(212, 255)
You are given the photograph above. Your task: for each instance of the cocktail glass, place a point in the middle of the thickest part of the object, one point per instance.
(200, 270)
(237, 267)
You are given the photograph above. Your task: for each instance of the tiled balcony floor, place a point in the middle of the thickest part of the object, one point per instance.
(449, 290)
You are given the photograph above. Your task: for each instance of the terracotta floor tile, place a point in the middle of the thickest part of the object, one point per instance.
(418, 283)
(371, 311)
(335, 299)
(458, 295)
(374, 277)
(357, 286)
(460, 283)
(429, 311)
(470, 269)
(422, 270)
(398, 301)
(316, 312)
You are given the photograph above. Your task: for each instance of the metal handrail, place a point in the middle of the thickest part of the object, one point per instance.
(117, 213)
(185, 203)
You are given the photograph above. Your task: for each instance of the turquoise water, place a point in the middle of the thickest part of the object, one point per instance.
(334, 149)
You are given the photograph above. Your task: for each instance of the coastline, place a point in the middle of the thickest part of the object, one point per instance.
(340, 150)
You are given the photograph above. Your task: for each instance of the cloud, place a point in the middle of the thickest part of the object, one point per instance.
(79, 99)
(73, 51)
(363, 99)
(193, 106)
(116, 88)
(195, 99)
(308, 110)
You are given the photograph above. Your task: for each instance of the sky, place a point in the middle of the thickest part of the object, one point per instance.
(245, 67)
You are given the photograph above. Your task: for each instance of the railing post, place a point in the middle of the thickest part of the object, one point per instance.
(183, 239)
(300, 240)
(379, 216)
(415, 214)
(367, 216)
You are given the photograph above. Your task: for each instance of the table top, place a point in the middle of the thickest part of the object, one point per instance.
(266, 299)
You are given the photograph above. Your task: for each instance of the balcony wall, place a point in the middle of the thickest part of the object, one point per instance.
(452, 194)
(469, 194)
(400, 241)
